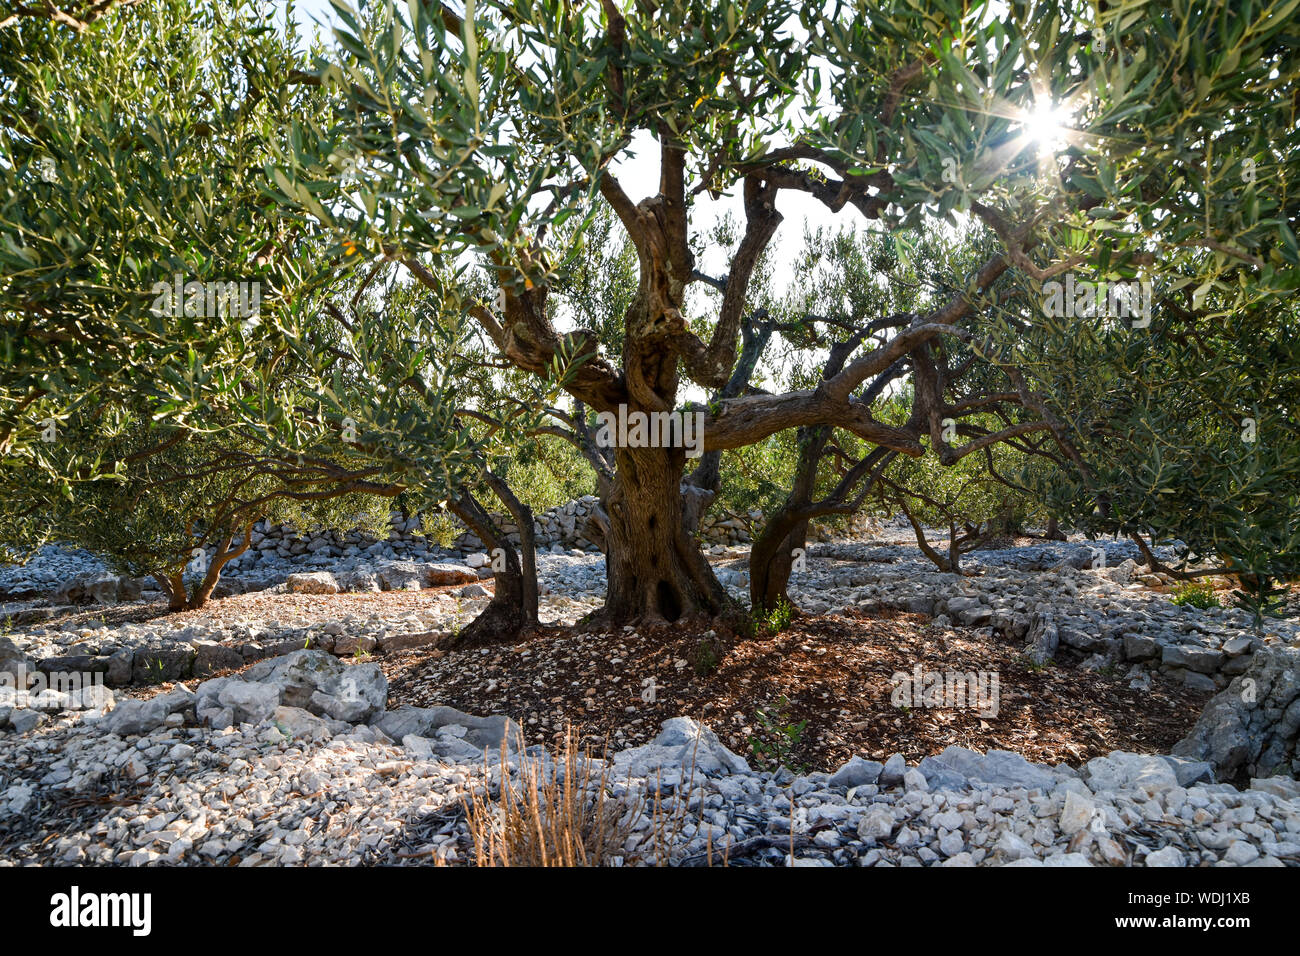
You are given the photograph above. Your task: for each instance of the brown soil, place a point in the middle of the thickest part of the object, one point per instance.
(834, 672)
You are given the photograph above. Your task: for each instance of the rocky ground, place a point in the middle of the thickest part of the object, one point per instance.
(835, 672)
(288, 725)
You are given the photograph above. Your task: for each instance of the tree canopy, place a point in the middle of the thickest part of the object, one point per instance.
(1137, 144)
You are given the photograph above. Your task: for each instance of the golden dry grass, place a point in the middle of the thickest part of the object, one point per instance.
(560, 813)
(552, 815)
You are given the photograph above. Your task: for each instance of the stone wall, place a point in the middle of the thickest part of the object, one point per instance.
(276, 551)
(560, 528)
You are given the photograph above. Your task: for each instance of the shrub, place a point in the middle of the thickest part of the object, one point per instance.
(1197, 595)
(774, 621)
(707, 653)
(778, 737)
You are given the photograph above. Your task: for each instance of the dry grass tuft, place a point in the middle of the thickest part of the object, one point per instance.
(560, 813)
(556, 813)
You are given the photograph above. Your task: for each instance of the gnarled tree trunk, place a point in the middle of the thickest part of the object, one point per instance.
(656, 569)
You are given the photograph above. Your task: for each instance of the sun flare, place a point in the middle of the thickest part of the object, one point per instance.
(1047, 125)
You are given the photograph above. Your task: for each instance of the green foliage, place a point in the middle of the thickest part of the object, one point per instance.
(778, 737)
(707, 654)
(154, 671)
(548, 471)
(774, 621)
(844, 275)
(1195, 594)
(175, 494)
(441, 527)
(597, 282)
(1185, 430)
(1164, 127)
(756, 477)
(132, 153)
(161, 119)
(977, 491)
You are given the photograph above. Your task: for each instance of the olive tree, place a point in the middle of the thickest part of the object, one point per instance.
(174, 365)
(475, 135)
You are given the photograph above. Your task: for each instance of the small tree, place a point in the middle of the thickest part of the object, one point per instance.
(179, 506)
(972, 500)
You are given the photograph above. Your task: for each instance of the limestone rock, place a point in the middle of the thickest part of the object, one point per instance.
(312, 582)
(309, 679)
(1128, 771)
(682, 744)
(1251, 727)
(211, 657)
(856, 772)
(483, 733)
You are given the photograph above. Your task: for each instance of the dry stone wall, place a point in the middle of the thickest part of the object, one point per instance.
(560, 528)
